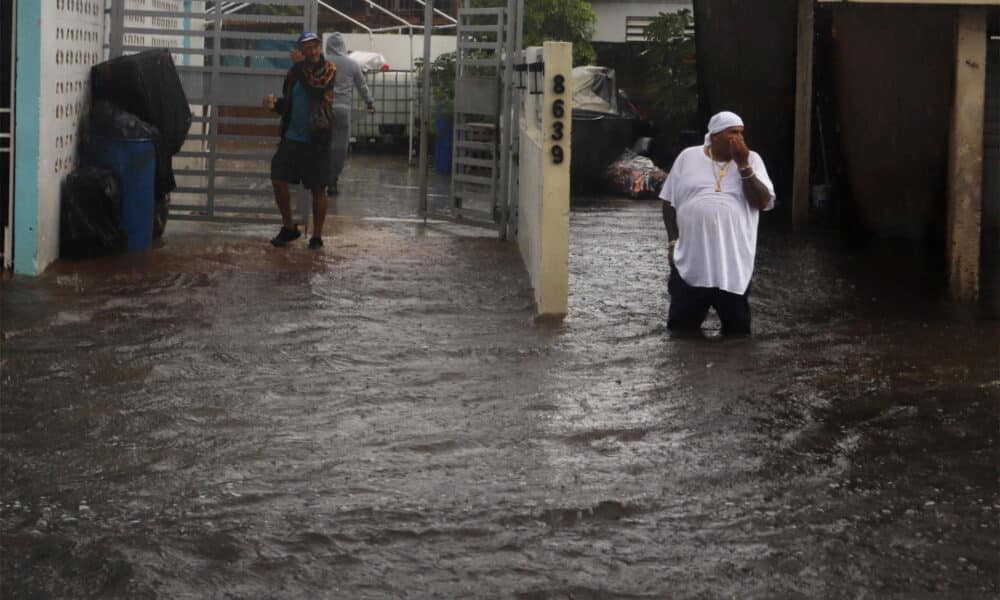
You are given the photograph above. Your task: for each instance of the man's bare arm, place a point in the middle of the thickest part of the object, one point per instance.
(756, 192)
(670, 221)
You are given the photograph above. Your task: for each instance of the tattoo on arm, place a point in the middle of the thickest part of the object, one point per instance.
(670, 221)
(756, 193)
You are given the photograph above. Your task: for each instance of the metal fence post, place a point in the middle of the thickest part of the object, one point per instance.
(425, 105)
(116, 36)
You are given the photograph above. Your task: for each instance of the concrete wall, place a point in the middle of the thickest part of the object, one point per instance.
(894, 69)
(746, 64)
(57, 43)
(543, 195)
(611, 16)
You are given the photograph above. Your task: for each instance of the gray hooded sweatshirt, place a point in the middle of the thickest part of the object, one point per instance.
(348, 73)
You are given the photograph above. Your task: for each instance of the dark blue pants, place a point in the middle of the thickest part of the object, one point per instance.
(689, 306)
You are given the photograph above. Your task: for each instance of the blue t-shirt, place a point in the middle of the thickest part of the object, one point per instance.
(298, 126)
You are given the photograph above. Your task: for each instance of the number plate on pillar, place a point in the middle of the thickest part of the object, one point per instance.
(558, 119)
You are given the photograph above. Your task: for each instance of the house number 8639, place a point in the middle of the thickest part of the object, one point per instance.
(558, 114)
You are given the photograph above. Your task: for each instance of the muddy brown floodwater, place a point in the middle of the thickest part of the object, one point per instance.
(218, 418)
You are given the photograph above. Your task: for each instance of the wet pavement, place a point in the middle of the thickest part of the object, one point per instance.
(218, 418)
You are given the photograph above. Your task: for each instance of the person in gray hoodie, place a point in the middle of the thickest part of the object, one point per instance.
(349, 76)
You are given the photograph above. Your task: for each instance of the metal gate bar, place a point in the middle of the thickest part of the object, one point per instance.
(483, 182)
(7, 141)
(476, 181)
(222, 171)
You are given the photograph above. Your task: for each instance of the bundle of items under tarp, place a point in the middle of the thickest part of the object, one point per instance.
(139, 118)
(147, 85)
(603, 124)
(635, 175)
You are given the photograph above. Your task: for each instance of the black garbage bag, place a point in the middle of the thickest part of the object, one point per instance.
(147, 85)
(109, 120)
(161, 212)
(90, 219)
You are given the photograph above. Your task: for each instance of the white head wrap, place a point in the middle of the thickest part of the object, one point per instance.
(721, 122)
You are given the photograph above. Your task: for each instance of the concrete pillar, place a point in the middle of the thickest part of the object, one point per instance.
(28, 141)
(803, 115)
(543, 181)
(553, 289)
(965, 155)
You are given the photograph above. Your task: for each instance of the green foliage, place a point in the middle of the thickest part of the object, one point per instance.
(561, 21)
(557, 21)
(544, 20)
(442, 83)
(670, 59)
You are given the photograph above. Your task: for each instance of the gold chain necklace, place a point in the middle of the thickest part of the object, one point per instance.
(722, 170)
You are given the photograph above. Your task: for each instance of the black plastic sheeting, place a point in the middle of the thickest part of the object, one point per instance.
(91, 214)
(147, 86)
(111, 121)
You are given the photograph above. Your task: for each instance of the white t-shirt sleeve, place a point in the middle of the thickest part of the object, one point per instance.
(668, 193)
(757, 163)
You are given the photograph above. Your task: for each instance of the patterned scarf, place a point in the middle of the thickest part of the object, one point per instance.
(319, 76)
(315, 78)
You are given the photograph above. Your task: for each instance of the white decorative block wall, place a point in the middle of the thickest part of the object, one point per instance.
(72, 34)
(67, 57)
(167, 24)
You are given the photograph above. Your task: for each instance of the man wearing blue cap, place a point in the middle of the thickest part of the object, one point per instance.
(306, 109)
(711, 207)
(349, 77)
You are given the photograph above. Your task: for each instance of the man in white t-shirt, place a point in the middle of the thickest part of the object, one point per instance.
(711, 206)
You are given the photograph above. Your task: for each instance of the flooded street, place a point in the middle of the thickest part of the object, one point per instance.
(219, 418)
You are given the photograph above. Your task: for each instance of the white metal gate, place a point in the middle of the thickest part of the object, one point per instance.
(226, 66)
(483, 179)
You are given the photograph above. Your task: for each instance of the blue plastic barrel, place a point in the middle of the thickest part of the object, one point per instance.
(444, 131)
(135, 163)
